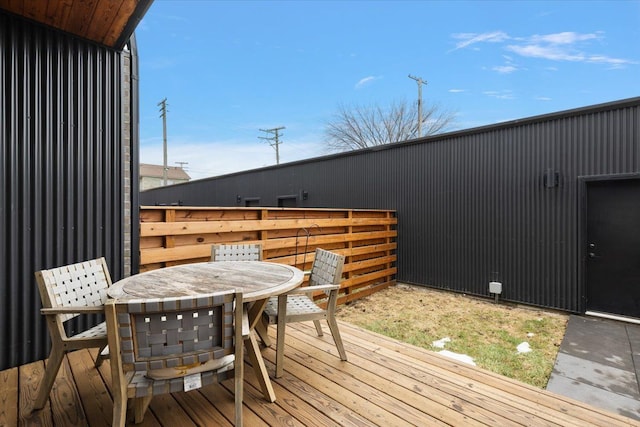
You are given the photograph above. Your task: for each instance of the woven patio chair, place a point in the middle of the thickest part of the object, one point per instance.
(298, 305)
(66, 292)
(166, 345)
(236, 252)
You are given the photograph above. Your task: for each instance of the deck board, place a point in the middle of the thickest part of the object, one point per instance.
(9, 397)
(384, 383)
(65, 386)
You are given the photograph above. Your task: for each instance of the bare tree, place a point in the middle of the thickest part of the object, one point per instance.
(361, 126)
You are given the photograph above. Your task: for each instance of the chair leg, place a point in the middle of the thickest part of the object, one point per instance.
(239, 391)
(282, 325)
(50, 373)
(333, 325)
(100, 357)
(318, 327)
(119, 411)
(140, 407)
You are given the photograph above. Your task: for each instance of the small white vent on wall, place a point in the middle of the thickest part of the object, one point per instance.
(495, 288)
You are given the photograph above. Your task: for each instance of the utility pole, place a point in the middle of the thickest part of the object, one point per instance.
(274, 140)
(163, 113)
(182, 164)
(420, 83)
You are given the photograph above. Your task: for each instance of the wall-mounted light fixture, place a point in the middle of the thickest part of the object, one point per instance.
(551, 178)
(238, 199)
(305, 195)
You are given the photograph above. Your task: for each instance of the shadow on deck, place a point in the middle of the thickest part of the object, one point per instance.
(384, 383)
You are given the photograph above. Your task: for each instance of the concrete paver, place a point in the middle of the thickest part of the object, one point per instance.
(597, 364)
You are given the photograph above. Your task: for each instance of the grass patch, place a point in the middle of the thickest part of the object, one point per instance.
(488, 332)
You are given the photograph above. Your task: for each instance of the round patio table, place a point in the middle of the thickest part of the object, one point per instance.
(257, 280)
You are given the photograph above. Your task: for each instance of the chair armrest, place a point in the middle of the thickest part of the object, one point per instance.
(97, 309)
(313, 289)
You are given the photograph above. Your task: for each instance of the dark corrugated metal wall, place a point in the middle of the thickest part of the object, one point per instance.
(472, 206)
(60, 171)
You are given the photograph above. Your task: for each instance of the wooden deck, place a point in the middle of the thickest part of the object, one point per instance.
(384, 383)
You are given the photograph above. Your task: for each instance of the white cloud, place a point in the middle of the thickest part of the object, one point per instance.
(566, 37)
(563, 46)
(503, 94)
(546, 52)
(557, 53)
(542, 98)
(472, 38)
(613, 62)
(456, 90)
(366, 81)
(505, 69)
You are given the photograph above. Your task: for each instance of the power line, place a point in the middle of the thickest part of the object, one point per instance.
(274, 140)
(420, 83)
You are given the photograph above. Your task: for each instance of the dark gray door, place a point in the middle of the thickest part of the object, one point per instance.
(613, 247)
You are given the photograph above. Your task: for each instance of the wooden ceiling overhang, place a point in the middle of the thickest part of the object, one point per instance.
(107, 22)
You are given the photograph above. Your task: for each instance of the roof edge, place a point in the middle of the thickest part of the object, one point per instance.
(596, 108)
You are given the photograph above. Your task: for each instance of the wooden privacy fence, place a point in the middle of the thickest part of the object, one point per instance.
(179, 235)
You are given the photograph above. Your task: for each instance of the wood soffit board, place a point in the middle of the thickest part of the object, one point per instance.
(107, 22)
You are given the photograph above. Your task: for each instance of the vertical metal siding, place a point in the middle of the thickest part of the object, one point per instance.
(472, 206)
(60, 169)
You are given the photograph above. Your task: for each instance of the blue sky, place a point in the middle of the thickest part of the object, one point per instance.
(231, 68)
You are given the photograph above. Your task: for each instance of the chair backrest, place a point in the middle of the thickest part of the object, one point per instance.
(76, 285)
(326, 268)
(176, 333)
(236, 252)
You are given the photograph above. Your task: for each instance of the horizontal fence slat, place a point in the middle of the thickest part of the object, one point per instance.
(367, 238)
(224, 226)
